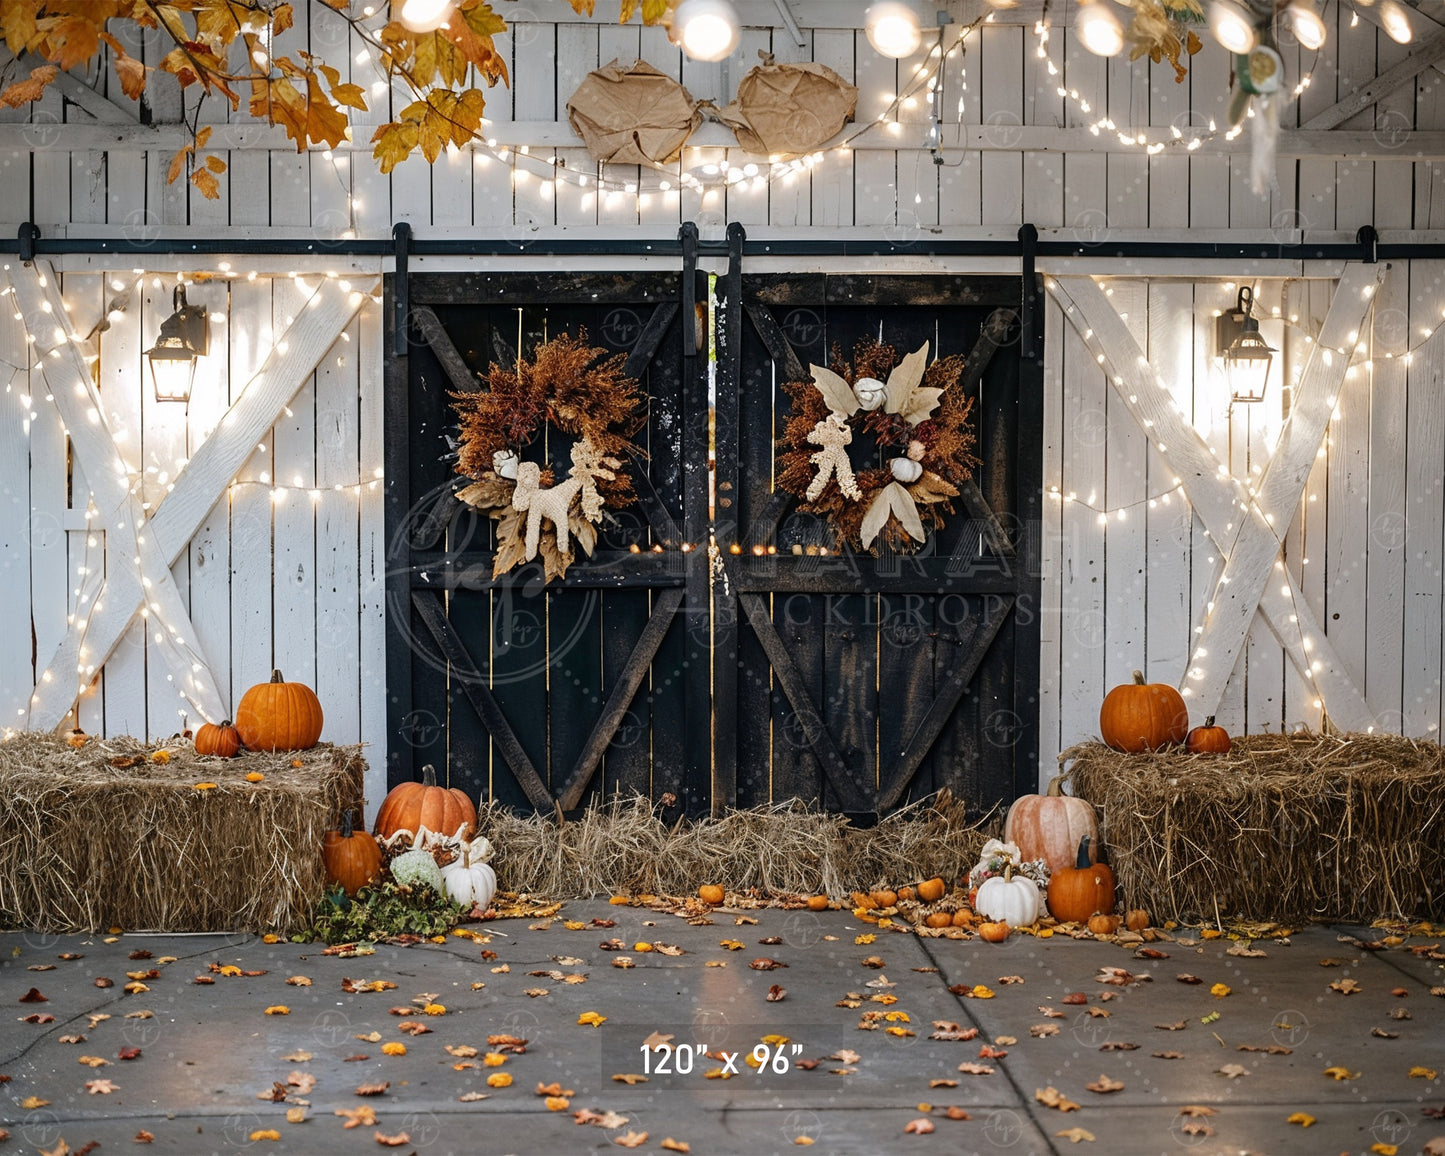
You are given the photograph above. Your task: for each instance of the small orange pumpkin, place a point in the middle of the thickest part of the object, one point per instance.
(817, 903)
(279, 716)
(1103, 924)
(938, 919)
(711, 893)
(1142, 716)
(412, 806)
(1076, 893)
(352, 858)
(963, 917)
(220, 739)
(1136, 919)
(1207, 740)
(884, 897)
(993, 932)
(931, 890)
(906, 894)
(862, 901)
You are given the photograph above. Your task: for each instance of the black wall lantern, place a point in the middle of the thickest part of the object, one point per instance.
(1239, 344)
(185, 335)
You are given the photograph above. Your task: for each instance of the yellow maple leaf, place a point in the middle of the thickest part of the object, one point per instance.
(583, 7)
(17, 21)
(1341, 1073)
(494, 1059)
(265, 1134)
(866, 938)
(393, 143)
(592, 1019)
(653, 11)
(1303, 1119)
(1220, 990)
(1382, 1149)
(981, 992)
(627, 10)
(435, 1009)
(730, 944)
(499, 1080)
(1421, 1073)
(199, 786)
(72, 40)
(278, 1009)
(30, 1103)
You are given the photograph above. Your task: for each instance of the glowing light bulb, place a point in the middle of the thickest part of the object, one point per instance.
(1099, 30)
(1307, 26)
(893, 28)
(425, 15)
(1232, 26)
(1396, 22)
(706, 29)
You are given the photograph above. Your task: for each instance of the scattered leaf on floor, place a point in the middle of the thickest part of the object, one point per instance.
(1076, 1134)
(1303, 1119)
(1341, 1073)
(1051, 1097)
(919, 1127)
(1104, 1085)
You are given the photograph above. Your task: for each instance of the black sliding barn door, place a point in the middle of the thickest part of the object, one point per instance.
(760, 670)
(864, 682)
(546, 696)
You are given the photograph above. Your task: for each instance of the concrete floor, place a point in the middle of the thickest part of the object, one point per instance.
(207, 1050)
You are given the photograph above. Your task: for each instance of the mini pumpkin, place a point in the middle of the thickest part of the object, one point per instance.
(1136, 919)
(279, 716)
(993, 932)
(931, 890)
(352, 858)
(1142, 716)
(963, 917)
(1006, 899)
(711, 893)
(938, 919)
(817, 903)
(1103, 924)
(469, 878)
(425, 810)
(884, 897)
(220, 739)
(1049, 826)
(1207, 740)
(1085, 889)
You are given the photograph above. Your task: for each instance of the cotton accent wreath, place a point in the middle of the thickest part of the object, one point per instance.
(573, 389)
(915, 416)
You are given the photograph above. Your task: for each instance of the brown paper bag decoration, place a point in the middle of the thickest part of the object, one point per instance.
(787, 110)
(632, 116)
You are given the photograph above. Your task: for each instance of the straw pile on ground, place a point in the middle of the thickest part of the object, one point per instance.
(1284, 827)
(622, 847)
(87, 841)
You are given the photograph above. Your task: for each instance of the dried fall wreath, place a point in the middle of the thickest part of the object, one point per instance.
(916, 416)
(576, 390)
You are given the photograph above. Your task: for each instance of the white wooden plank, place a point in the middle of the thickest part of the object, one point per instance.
(831, 190)
(875, 176)
(250, 181)
(17, 526)
(1424, 508)
(615, 205)
(1124, 452)
(1053, 555)
(576, 56)
(1208, 176)
(293, 519)
(1083, 620)
(122, 378)
(1128, 173)
(534, 94)
(337, 576)
(371, 579)
(1002, 52)
(208, 555)
(1169, 521)
(1313, 512)
(1386, 545)
(251, 538)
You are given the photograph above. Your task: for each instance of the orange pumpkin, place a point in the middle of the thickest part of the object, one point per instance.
(221, 739)
(1049, 826)
(931, 890)
(711, 893)
(883, 897)
(963, 917)
(1142, 716)
(938, 919)
(279, 716)
(1136, 919)
(1083, 890)
(352, 858)
(817, 903)
(1103, 924)
(906, 895)
(412, 806)
(993, 932)
(1207, 740)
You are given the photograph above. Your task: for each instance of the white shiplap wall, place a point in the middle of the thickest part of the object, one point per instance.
(296, 581)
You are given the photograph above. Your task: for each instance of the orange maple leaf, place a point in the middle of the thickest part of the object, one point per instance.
(24, 91)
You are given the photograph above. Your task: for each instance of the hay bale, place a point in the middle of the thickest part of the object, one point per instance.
(1284, 827)
(621, 846)
(102, 835)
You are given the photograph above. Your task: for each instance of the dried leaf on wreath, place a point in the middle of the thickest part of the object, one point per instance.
(905, 398)
(837, 394)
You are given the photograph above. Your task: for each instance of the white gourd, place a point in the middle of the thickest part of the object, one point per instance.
(1005, 899)
(469, 879)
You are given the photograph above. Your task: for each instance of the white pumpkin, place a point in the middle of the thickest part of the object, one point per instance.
(870, 392)
(1009, 899)
(469, 879)
(906, 470)
(504, 464)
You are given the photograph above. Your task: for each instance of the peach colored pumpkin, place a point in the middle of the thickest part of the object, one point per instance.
(1049, 826)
